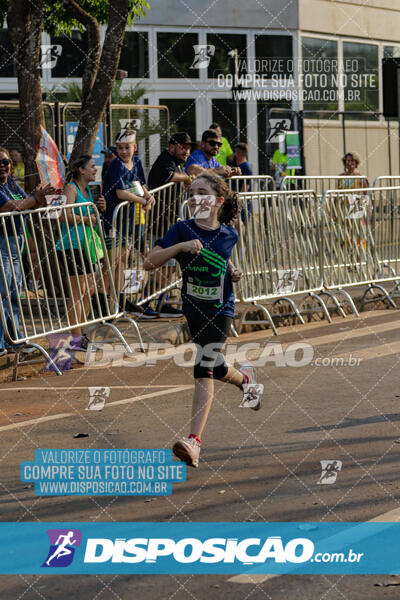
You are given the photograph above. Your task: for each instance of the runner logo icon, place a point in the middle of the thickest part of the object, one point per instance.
(62, 547)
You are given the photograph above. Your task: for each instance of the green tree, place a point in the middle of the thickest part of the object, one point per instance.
(27, 19)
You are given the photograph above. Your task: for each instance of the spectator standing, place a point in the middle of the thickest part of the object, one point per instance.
(204, 159)
(241, 162)
(169, 168)
(351, 162)
(225, 152)
(169, 165)
(77, 190)
(13, 198)
(123, 171)
(18, 167)
(109, 155)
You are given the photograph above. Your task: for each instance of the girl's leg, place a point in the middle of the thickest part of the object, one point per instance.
(209, 333)
(202, 400)
(87, 294)
(74, 304)
(233, 376)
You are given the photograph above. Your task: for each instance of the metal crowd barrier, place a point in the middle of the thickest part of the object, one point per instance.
(40, 296)
(279, 252)
(386, 181)
(360, 239)
(321, 183)
(251, 183)
(132, 240)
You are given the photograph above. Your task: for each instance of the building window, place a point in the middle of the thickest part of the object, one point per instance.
(274, 47)
(391, 52)
(176, 54)
(223, 113)
(7, 66)
(182, 115)
(135, 54)
(320, 77)
(264, 160)
(362, 90)
(69, 54)
(221, 45)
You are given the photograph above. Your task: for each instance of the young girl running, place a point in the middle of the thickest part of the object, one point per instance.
(203, 247)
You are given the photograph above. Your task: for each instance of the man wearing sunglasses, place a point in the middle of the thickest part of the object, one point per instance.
(203, 160)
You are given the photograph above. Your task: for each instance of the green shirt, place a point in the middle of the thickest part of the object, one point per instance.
(224, 152)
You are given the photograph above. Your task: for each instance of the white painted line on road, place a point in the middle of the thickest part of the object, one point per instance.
(392, 516)
(255, 579)
(349, 334)
(180, 388)
(85, 387)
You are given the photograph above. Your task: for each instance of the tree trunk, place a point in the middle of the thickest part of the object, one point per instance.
(95, 102)
(25, 22)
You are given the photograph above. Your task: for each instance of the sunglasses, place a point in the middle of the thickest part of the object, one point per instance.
(214, 143)
(5, 162)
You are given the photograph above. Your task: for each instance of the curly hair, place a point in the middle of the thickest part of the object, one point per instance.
(354, 155)
(231, 206)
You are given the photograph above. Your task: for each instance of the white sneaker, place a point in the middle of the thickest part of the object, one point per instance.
(188, 450)
(252, 391)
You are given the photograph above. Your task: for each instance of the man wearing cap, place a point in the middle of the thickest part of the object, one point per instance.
(168, 166)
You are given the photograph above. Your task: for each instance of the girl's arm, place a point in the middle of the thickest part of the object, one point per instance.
(71, 193)
(125, 195)
(158, 256)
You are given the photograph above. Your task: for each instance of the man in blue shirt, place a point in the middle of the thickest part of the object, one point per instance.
(204, 159)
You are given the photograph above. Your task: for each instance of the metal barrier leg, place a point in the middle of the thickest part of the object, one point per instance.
(234, 332)
(254, 306)
(119, 334)
(349, 300)
(335, 301)
(17, 362)
(292, 304)
(136, 326)
(386, 295)
(323, 305)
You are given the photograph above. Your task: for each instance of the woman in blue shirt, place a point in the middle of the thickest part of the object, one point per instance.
(202, 246)
(13, 198)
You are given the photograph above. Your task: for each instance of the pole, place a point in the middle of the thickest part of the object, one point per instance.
(235, 88)
(398, 107)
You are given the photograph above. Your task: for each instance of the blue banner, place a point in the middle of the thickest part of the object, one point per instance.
(99, 472)
(200, 548)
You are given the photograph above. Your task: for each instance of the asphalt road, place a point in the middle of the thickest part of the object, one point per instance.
(255, 466)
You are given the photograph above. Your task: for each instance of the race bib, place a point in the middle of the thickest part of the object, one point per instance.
(206, 293)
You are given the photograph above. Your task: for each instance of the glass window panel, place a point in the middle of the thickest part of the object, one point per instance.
(71, 61)
(262, 130)
(320, 83)
(223, 44)
(7, 66)
(362, 90)
(274, 47)
(223, 113)
(176, 55)
(182, 115)
(135, 54)
(391, 52)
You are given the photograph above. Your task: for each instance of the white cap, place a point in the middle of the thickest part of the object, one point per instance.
(125, 137)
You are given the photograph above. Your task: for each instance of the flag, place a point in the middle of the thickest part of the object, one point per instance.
(49, 162)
